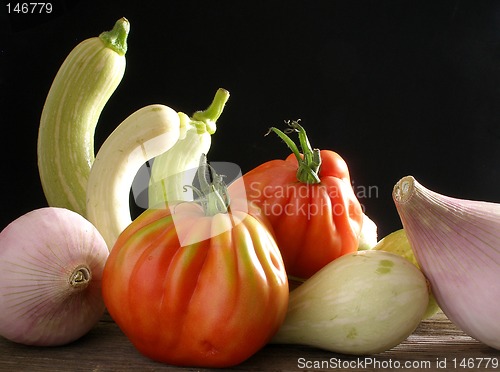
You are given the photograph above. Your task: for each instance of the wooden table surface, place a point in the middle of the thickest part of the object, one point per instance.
(435, 345)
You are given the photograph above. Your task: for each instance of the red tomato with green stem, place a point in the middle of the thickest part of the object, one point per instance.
(194, 285)
(310, 203)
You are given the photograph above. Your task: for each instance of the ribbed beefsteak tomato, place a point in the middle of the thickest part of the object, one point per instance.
(310, 203)
(192, 289)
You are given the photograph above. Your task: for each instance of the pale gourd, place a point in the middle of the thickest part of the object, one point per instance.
(361, 304)
(146, 133)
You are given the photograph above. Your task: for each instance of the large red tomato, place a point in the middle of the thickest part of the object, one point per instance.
(310, 203)
(194, 290)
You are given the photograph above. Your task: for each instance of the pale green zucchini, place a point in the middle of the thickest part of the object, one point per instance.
(177, 167)
(82, 86)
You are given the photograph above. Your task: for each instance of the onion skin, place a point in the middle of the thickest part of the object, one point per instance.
(51, 263)
(457, 245)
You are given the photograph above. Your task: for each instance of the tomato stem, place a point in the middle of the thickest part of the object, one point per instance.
(309, 160)
(212, 195)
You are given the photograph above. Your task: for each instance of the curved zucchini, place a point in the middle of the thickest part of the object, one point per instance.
(82, 86)
(177, 167)
(146, 133)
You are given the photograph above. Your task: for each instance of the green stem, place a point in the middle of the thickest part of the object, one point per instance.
(116, 39)
(213, 194)
(209, 116)
(310, 159)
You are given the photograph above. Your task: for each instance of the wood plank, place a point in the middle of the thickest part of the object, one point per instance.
(436, 342)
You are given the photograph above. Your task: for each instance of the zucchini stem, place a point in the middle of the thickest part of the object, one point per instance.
(116, 39)
(209, 116)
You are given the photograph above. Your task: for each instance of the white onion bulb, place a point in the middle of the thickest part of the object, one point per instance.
(51, 263)
(457, 245)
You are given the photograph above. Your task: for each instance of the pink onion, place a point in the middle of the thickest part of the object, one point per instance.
(51, 262)
(457, 245)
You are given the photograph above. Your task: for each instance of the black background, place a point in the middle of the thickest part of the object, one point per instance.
(395, 87)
